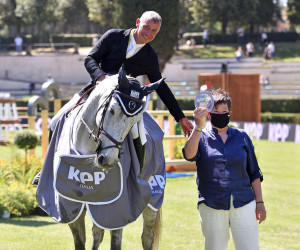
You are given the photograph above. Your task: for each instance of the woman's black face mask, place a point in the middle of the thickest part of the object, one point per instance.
(219, 120)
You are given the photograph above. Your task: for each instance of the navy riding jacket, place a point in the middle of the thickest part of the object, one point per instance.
(109, 54)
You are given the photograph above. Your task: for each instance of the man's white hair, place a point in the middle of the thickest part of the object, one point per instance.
(151, 15)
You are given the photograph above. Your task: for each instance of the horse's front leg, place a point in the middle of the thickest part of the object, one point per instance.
(78, 231)
(98, 234)
(149, 219)
(116, 239)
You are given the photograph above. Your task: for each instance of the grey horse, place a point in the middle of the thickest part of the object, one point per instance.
(101, 126)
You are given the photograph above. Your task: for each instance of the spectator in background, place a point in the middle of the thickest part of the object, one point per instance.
(18, 43)
(264, 80)
(239, 53)
(240, 32)
(250, 49)
(266, 53)
(264, 39)
(49, 78)
(204, 37)
(191, 42)
(224, 68)
(31, 88)
(271, 50)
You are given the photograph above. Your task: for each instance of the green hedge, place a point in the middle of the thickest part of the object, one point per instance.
(267, 105)
(84, 40)
(26, 39)
(280, 117)
(280, 105)
(232, 38)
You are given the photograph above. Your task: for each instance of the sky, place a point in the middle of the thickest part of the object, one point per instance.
(284, 2)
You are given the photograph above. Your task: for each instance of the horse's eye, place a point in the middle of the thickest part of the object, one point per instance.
(112, 111)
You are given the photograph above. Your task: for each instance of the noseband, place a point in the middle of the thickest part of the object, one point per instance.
(101, 130)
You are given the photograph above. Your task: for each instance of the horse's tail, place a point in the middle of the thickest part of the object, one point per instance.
(157, 229)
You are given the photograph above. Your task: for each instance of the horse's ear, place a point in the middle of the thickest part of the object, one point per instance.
(122, 79)
(151, 87)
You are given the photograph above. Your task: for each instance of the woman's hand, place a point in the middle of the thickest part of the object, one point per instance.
(260, 212)
(199, 115)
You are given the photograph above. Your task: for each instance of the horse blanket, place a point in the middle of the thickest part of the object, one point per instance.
(114, 197)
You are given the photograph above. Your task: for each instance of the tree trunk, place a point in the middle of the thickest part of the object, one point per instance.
(251, 29)
(224, 25)
(18, 25)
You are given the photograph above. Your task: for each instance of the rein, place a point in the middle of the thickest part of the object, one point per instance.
(101, 130)
(79, 101)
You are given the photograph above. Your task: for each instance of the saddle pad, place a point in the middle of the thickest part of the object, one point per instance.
(76, 180)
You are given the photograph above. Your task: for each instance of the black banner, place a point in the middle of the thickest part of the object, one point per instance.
(271, 131)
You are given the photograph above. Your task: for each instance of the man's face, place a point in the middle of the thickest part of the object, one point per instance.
(146, 31)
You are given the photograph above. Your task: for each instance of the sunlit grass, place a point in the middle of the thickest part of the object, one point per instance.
(280, 163)
(284, 51)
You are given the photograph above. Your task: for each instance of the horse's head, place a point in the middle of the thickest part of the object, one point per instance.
(114, 106)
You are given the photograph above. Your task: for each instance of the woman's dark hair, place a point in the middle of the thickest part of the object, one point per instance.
(221, 97)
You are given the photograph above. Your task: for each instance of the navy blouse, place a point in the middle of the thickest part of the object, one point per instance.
(225, 169)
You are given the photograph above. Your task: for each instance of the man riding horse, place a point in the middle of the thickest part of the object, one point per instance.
(131, 48)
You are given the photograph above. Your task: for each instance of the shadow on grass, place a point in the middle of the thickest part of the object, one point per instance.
(26, 222)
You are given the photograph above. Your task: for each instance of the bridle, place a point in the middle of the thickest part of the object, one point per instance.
(96, 137)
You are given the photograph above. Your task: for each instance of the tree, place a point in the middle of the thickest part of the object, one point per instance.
(8, 15)
(185, 14)
(73, 14)
(36, 12)
(246, 13)
(294, 11)
(213, 11)
(102, 12)
(26, 139)
(129, 10)
(265, 13)
(19, 13)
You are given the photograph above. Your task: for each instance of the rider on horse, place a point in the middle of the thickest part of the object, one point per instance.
(131, 48)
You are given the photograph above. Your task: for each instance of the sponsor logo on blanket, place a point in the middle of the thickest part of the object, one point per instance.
(157, 183)
(83, 177)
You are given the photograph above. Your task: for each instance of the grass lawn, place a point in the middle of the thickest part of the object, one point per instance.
(6, 152)
(284, 51)
(280, 163)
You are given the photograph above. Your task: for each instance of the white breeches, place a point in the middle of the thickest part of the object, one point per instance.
(242, 221)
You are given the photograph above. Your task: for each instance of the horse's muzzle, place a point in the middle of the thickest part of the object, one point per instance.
(103, 162)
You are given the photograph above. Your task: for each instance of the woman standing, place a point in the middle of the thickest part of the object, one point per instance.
(228, 179)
